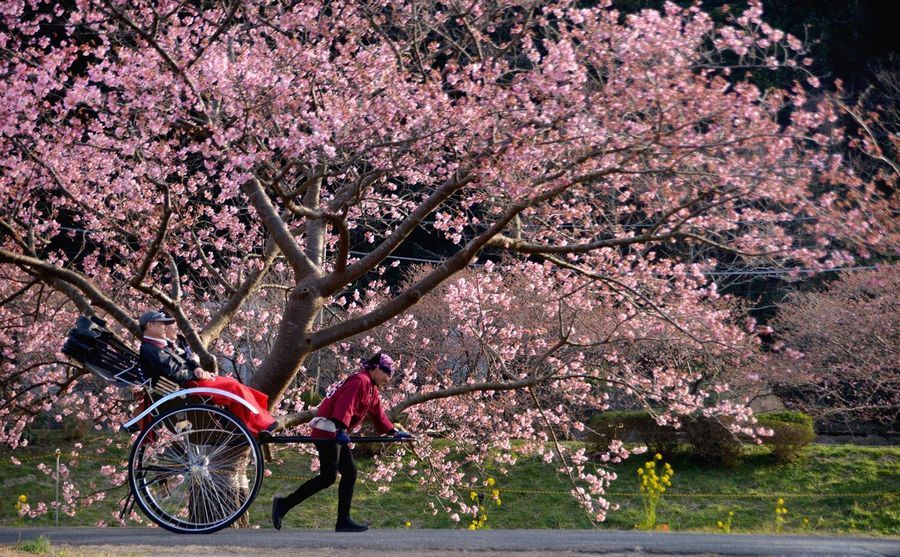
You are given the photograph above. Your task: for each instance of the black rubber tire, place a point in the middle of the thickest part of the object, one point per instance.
(197, 471)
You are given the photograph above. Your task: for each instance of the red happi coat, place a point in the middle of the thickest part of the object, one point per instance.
(351, 401)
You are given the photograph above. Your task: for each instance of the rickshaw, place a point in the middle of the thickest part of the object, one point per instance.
(194, 468)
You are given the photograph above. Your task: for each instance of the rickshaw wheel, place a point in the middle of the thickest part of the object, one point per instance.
(195, 469)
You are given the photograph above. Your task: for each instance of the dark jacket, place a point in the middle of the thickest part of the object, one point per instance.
(181, 348)
(159, 362)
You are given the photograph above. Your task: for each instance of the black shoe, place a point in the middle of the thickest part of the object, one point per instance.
(347, 525)
(276, 513)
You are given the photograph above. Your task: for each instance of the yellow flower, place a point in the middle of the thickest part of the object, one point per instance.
(490, 481)
(719, 524)
(472, 526)
(780, 501)
(407, 524)
(473, 495)
(23, 499)
(640, 471)
(657, 456)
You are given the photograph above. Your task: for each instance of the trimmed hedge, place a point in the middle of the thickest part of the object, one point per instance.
(711, 439)
(792, 432)
(633, 426)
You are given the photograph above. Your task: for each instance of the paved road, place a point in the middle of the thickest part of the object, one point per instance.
(458, 542)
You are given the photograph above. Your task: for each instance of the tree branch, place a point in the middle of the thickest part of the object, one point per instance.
(208, 264)
(159, 49)
(157, 240)
(276, 226)
(129, 236)
(235, 4)
(97, 297)
(446, 269)
(610, 280)
(176, 276)
(458, 390)
(521, 246)
(18, 292)
(221, 318)
(310, 210)
(376, 256)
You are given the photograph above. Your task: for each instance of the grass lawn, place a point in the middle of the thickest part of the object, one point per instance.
(829, 489)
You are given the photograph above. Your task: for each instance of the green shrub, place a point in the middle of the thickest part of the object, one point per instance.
(660, 439)
(311, 398)
(603, 428)
(364, 451)
(792, 432)
(711, 440)
(75, 429)
(632, 426)
(39, 545)
(787, 416)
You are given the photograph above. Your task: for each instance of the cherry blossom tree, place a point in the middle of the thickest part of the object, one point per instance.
(253, 167)
(838, 349)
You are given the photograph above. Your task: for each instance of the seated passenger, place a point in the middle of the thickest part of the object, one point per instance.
(161, 358)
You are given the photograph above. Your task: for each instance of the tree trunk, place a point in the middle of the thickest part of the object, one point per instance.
(292, 345)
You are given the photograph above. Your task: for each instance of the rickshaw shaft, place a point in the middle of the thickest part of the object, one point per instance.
(277, 439)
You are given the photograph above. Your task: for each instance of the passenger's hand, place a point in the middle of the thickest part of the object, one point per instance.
(341, 437)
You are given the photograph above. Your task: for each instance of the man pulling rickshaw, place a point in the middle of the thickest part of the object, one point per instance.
(196, 463)
(345, 407)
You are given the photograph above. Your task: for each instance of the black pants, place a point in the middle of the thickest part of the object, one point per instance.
(333, 458)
